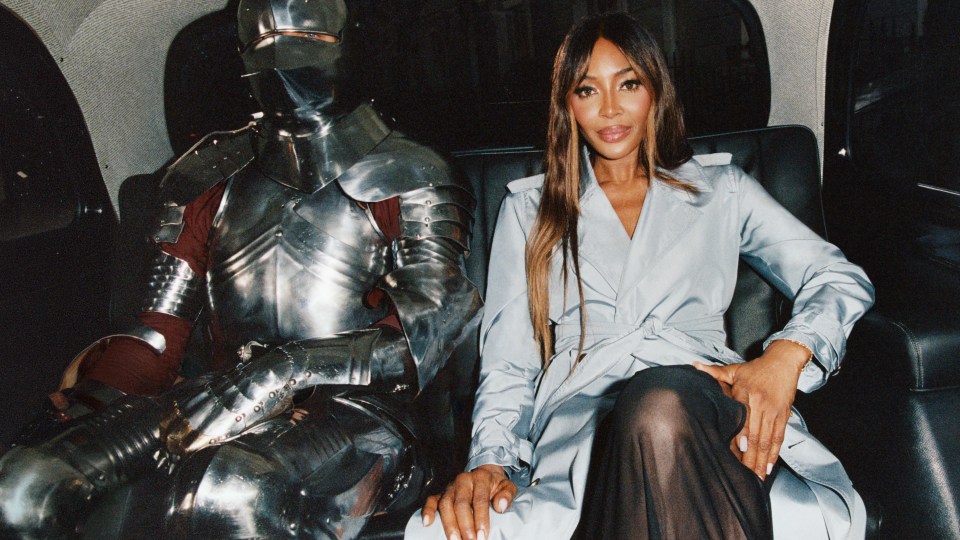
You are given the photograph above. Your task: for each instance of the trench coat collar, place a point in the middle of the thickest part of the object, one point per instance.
(670, 214)
(603, 240)
(667, 214)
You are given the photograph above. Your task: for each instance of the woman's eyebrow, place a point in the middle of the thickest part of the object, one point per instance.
(623, 71)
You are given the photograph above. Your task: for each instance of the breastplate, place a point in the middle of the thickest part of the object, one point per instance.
(285, 265)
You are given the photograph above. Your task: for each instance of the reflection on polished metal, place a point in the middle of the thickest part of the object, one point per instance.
(259, 18)
(255, 391)
(45, 490)
(214, 158)
(293, 76)
(173, 288)
(320, 478)
(316, 158)
(294, 252)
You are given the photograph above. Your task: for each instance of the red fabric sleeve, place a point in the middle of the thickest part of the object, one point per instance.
(131, 365)
(387, 215)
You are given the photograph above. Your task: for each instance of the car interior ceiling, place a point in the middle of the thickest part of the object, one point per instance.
(474, 80)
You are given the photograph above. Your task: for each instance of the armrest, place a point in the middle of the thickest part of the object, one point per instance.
(918, 346)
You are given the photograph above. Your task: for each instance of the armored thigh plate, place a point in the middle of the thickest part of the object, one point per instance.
(322, 477)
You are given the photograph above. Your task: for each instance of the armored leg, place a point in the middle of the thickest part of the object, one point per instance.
(47, 490)
(322, 476)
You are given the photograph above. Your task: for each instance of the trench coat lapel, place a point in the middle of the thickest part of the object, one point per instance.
(603, 240)
(668, 214)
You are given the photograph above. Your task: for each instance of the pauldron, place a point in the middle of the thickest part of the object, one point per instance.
(214, 158)
(436, 304)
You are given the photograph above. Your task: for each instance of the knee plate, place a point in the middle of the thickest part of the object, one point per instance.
(41, 496)
(229, 492)
(321, 478)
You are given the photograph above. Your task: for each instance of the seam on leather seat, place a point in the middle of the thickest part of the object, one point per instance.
(918, 351)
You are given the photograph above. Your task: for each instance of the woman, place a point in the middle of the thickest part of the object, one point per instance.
(631, 251)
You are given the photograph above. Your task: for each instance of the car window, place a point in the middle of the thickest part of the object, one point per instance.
(906, 106)
(55, 226)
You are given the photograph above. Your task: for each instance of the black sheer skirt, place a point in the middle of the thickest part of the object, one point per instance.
(662, 465)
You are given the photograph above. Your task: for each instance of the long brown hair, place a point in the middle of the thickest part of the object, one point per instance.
(664, 145)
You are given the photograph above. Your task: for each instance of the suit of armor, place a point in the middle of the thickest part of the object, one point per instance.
(331, 259)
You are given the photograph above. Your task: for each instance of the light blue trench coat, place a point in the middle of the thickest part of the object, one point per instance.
(655, 299)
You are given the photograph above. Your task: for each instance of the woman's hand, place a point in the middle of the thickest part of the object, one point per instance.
(767, 386)
(465, 505)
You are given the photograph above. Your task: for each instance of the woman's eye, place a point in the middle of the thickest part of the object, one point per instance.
(632, 85)
(584, 91)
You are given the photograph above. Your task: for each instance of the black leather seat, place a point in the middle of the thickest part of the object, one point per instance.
(783, 159)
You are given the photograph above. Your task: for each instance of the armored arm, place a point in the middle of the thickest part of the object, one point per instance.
(146, 359)
(436, 304)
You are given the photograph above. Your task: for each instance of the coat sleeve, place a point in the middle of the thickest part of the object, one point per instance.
(829, 292)
(510, 363)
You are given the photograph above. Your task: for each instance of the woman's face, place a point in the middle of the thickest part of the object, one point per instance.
(611, 104)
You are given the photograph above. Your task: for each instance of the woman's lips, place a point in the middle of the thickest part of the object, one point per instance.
(613, 134)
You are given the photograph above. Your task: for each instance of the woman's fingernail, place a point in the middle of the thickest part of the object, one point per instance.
(769, 468)
(426, 521)
(454, 536)
(502, 505)
(742, 443)
(481, 535)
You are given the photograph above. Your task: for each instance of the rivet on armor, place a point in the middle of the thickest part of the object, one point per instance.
(293, 382)
(257, 408)
(239, 418)
(279, 233)
(272, 395)
(426, 219)
(429, 202)
(309, 374)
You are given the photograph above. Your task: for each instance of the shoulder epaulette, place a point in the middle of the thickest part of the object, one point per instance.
(523, 184)
(710, 160)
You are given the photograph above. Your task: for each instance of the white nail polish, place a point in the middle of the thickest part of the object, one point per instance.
(454, 536)
(742, 443)
(481, 535)
(426, 522)
(769, 468)
(501, 505)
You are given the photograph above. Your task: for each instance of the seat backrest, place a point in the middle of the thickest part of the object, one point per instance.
(784, 159)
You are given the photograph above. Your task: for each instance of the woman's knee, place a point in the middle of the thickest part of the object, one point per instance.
(657, 403)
